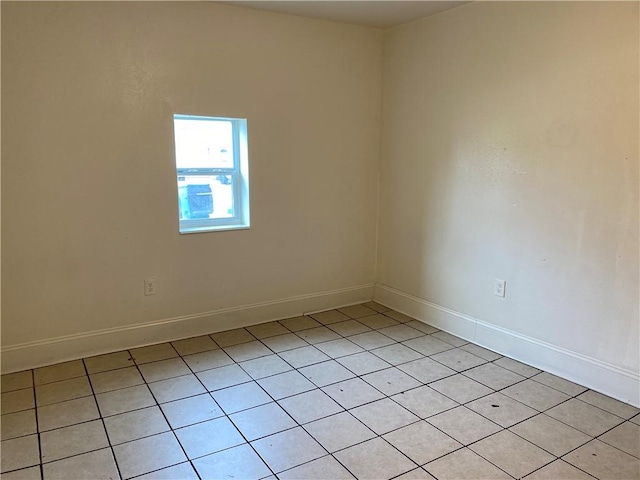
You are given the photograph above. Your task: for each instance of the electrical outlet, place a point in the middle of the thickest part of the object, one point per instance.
(149, 286)
(499, 287)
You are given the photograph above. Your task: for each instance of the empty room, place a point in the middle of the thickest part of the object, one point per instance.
(320, 240)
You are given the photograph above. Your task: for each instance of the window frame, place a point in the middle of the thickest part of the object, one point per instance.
(239, 174)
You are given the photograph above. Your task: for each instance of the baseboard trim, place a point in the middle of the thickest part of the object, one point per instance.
(71, 347)
(603, 377)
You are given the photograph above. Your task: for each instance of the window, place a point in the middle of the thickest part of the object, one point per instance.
(213, 173)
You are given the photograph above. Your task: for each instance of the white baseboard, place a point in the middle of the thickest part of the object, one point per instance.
(603, 377)
(71, 347)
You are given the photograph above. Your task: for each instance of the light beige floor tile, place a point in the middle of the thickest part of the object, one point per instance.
(296, 324)
(282, 343)
(237, 462)
(626, 437)
(182, 471)
(378, 321)
(232, 337)
(584, 417)
(422, 442)
(309, 406)
(391, 381)
(67, 413)
(426, 370)
(58, 372)
(286, 384)
(511, 453)
(493, 376)
(396, 354)
(517, 367)
(189, 346)
(109, 361)
(565, 386)
(458, 359)
(428, 345)
(176, 388)
(288, 449)
(31, 473)
(378, 307)
(329, 317)
(326, 373)
(61, 391)
(349, 327)
(262, 421)
(481, 352)
(363, 363)
(153, 353)
(302, 357)
(134, 425)
(241, 397)
(116, 379)
(463, 425)
(371, 340)
(383, 416)
(265, 366)
(200, 362)
(318, 335)
(450, 339)
(604, 462)
(17, 381)
(424, 401)
(558, 470)
(19, 452)
(148, 454)
(464, 464)
(535, 395)
(339, 431)
(357, 311)
(460, 388)
(555, 437)
(400, 317)
(18, 424)
(401, 332)
(374, 459)
(635, 420)
(208, 437)
(339, 348)
(609, 404)
(163, 369)
(423, 327)
(188, 411)
(417, 474)
(319, 469)
(98, 465)
(353, 393)
(223, 377)
(266, 330)
(501, 409)
(73, 440)
(247, 351)
(124, 400)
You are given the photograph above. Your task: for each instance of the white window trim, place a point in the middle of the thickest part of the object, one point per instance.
(240, 174)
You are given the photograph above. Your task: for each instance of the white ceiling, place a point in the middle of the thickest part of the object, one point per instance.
(371, 13)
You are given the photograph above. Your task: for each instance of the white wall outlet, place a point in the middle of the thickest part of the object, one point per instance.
(499, 287)
(149, 286)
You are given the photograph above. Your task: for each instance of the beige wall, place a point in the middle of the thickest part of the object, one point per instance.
(89, 206)
(510, 150)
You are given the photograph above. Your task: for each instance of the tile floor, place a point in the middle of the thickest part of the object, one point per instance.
(361, 392)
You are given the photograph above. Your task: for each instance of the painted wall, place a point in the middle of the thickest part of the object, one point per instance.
(89, 201)
(510, 150)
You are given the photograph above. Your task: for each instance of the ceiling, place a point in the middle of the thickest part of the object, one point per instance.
(380, 14)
